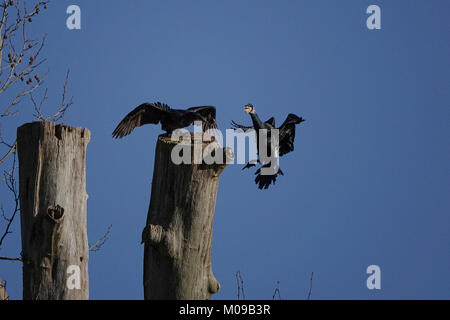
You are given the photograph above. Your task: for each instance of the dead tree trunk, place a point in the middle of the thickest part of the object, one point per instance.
(178, 234)
(52, 184)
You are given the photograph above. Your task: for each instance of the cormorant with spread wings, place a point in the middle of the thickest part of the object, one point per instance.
(170, 119)
(286, 142)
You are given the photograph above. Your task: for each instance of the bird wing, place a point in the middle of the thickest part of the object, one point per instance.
(240, 126)
(235, 125)
(271, 121)
(143, 114)
(209, 113)
(287, 133)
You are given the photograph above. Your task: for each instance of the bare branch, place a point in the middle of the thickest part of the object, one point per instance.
(38, 106)
(20, 63)
(100, 242)
(16, 68)
(277, 290)
(10, 181)
(240, 285)
(64, 105)
(62, 108)
(11, 150)
(310, 286)
(11, 259)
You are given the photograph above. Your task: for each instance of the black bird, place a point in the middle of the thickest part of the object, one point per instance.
(170, 119)
(286, 142)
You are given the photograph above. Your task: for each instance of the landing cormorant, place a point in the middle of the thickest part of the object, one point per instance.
(286, 142)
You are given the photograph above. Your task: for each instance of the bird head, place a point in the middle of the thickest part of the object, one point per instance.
(248, 108)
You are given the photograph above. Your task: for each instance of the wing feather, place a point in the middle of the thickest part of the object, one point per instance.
(240, 126)
(235, 125)
(209, 113)
(287, 133)
(271, 122)
(143, 114)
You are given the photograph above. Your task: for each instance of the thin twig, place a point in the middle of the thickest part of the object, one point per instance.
(277, 290)
(11, 259)
(61, 111)
(64, 105)
(20, 63)
(12, 149)
(100, 242)
(310, 286)
(240, 285)
(10, 182)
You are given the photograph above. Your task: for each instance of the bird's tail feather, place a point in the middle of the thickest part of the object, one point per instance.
(264, 181)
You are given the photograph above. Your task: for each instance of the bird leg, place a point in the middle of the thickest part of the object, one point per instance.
(250, 164)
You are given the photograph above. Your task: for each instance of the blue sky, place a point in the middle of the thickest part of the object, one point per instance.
(368, 182)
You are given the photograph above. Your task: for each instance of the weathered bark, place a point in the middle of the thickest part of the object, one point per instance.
(178, 234)
(52, 184)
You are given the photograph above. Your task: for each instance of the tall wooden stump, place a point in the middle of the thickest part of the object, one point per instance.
(52, 184)
(178, 234)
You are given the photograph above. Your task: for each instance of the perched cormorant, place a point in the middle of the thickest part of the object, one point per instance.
(171, 119)
(286, 142)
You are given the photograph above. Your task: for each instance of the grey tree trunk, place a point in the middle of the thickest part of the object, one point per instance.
(178, 233)
(52, 185)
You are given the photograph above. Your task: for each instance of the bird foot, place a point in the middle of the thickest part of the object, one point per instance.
(249, 165)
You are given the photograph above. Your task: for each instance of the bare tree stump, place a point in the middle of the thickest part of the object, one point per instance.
(52, 184)
(178, 234)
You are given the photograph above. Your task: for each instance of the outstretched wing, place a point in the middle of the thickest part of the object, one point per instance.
(235, 125)
(240, 126)
(143, 114)
(209, 113)
(287, 133)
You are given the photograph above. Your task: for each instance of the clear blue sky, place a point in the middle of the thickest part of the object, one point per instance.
(368, 182)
